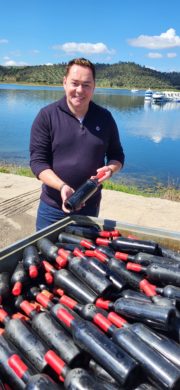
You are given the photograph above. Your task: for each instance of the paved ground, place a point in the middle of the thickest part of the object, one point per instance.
(19, 200)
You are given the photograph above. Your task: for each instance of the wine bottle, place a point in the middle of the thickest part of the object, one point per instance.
(83, 193)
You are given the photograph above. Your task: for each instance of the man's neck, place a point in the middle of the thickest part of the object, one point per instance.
(78, 113)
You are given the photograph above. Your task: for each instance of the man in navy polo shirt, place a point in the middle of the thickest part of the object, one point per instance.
(72, 140)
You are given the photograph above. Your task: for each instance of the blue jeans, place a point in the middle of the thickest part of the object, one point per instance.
(47, 215)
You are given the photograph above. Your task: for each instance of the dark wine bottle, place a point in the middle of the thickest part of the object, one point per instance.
(83, 193)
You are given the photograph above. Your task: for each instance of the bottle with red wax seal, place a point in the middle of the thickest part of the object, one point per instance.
(4, 285)
(31, 261)
(54, 335)
(48, 249)
(83, 193)
(28, 342)
(64, 279)
(77, 378)
(10, 379)
(18, 279)
(37, 381)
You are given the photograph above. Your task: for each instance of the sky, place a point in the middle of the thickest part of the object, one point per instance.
(39, 32)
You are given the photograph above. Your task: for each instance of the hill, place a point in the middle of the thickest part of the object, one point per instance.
(120, 75)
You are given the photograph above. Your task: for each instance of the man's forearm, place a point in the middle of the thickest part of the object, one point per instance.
(49, 178)
(114, 165)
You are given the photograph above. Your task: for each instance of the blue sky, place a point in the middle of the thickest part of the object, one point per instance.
(54, 31)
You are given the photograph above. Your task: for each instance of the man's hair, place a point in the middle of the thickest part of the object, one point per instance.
(82, 62)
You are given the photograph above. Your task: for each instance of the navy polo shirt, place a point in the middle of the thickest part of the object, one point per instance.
(73, 150)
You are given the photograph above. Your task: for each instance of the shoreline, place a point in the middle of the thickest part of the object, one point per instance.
(126, 184)
(19, 198)
(61, 86)
(97, 87)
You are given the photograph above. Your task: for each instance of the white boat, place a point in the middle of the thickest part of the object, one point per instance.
(166, 96)
(158, 97)
(172, 96)
(134, 90)
(148, 94)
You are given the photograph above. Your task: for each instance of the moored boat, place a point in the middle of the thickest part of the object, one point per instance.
(172, 96)
(166, 96)
(148, 94)
(158, 97)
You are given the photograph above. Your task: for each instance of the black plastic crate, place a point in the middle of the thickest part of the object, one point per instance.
(10, 255)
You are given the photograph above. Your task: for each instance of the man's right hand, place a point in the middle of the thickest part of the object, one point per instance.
(65, 192)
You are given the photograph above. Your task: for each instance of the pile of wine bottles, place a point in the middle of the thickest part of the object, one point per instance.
(95, 310)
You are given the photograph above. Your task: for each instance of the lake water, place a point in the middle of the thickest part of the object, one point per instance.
(150, 133)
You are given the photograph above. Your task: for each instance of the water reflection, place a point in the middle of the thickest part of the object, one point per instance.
(121, 102)
(142, 118)
(150, 133)
(154, 126)
(16, 97)
(166, 106)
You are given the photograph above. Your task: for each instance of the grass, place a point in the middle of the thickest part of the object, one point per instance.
(16, 170)
(163, 192)
(169, 192)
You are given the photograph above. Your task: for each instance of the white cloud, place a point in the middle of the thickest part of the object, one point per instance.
(154, 55)
(150, 67)
(10, 62)
(86, 48)
(159, 55)
(162, 41)
(34, 51)
(15, 53)
(49, 64)
(3, 41)
(171, 55)
(157, 138)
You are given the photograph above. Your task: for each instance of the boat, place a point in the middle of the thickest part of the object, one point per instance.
(158, 97)
(172, 96)
(134, 90)
(166, 96)
(148, 94)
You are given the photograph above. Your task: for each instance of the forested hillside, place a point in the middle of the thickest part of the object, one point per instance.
(122, 75)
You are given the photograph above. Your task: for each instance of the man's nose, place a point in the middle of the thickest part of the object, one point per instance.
(79, 88)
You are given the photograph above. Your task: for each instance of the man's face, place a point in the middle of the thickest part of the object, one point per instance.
(79, 87)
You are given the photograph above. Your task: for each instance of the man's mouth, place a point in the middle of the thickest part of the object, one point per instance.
(79, 98)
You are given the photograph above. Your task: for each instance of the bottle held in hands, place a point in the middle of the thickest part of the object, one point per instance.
(83, 193)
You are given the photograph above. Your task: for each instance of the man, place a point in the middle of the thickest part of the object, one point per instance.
(70, 141)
